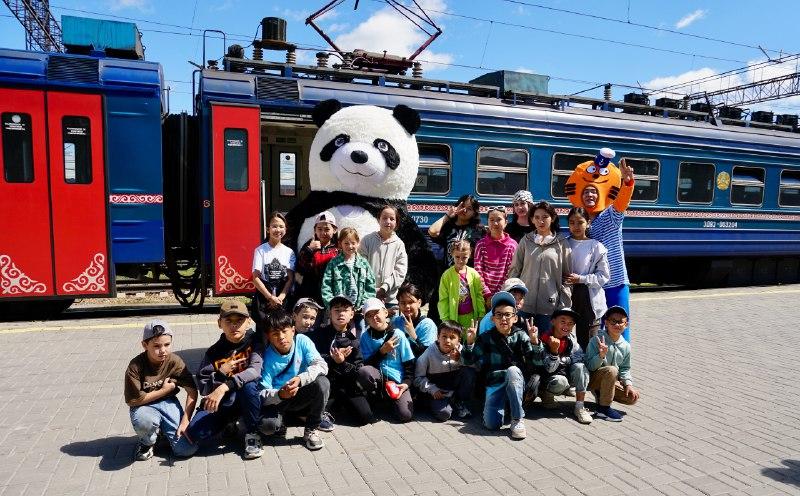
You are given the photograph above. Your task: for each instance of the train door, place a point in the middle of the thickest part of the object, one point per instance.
(285, 173)
(25, 245)
(78, 194)
(236, 192)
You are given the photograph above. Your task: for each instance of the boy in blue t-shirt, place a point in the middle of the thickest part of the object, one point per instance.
(388, 359)
(292, 380)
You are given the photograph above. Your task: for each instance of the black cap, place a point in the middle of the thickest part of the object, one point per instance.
(615, 309)
(566, 311)
(340, 299)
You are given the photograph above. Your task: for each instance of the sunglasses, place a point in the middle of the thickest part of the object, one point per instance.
(496, 209)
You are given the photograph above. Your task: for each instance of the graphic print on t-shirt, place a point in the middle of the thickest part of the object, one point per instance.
(274, 275)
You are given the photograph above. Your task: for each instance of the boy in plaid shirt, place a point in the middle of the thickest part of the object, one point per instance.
(500, 355)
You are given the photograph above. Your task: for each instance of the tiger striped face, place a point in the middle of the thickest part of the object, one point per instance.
(607, 180)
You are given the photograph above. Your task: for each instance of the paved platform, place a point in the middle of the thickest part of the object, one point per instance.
(718, 371)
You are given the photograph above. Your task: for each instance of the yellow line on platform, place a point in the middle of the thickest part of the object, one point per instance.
(714, 295)
(131, 325)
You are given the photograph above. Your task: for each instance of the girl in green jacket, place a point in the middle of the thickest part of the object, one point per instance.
(348, 274)
(461, 289)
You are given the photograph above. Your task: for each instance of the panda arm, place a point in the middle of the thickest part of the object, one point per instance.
(423, 270)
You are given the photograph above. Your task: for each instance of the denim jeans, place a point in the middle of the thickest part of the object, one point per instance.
(245, 403)
(164, 415)
(497, 394)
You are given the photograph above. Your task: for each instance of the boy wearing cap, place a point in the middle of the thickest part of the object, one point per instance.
(228, 380)
(500, 355)
(305, 313)
(388, 359)
(517, 288)
(152, 382)
(313, 257)
(608, 358)
(562, 366)
(341, 349)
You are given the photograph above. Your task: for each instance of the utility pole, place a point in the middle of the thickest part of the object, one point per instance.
(755, 92)
(41, 28)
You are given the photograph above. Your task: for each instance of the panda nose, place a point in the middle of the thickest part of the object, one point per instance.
(359, 157)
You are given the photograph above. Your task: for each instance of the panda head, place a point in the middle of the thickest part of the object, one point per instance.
(367, 150)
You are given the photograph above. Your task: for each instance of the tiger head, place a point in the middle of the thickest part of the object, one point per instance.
(601, 174)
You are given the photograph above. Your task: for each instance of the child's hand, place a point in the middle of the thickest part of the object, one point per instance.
(213, 400)
(289, 390)
(554, 343)
(602, 347)
(437, 395)
(452, 211)
(631, 393)
(402, 387)
(455, 355)
(231, 365)
(315, 244)
(169, 384)
(408, 326)
(381, 294)
(389, 345)
(182, 428)
(472, 333)
(533, 331)
(573, 279)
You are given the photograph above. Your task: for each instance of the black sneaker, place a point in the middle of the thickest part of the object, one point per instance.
(327, 425)
(143, 452)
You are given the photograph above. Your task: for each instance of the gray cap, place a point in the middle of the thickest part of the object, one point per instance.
(156, 327)
(308, 302)
(503, 298)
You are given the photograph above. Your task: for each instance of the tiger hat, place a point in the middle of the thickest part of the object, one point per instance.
(603, 175)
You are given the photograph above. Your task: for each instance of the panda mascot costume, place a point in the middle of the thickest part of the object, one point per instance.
(364, 158)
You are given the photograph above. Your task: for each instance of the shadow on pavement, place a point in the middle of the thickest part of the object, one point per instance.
(789, 474)
(115, 453)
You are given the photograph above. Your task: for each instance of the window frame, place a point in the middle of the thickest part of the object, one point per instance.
(647, 178)
(678, 183)
(449, 167)
(6, 167)
(780, 187)
(89, 150)
(495, 168)
(733, 183)
(559, 172)
(246, 160)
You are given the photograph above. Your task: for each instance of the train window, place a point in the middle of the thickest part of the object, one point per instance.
(76, 133)
(747, 186)
(563, 166)
(695, 182)
(790, 189)
(647, 175)
(288, 174)
(433, 176)
(17, 147)
(502, 171)
(235, 142)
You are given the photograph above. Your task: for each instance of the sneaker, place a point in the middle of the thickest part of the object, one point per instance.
(570, 392)
(462, 411)
(327, 425)
(608, 413)
(143, 452)
(312, 439)
(518, 429)
(549, 401)
(583, 415)
(252, 446)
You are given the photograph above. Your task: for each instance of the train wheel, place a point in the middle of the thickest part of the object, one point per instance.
(788, 270)
(33, 310)
(764, 272)
(741, 272)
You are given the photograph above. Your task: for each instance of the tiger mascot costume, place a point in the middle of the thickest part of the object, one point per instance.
(605, 192)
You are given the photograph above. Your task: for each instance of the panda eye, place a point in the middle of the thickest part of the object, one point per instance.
(604, 171)
(591, 169)
(340, 141)
(382, 146)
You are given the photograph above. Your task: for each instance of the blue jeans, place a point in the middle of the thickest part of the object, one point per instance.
(164, 415)
(496, 396)
(244, 402)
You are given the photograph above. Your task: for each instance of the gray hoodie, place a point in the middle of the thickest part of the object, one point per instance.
(543, 268)
(388, 260)
(433, 364)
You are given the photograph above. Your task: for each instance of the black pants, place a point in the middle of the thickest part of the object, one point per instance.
(462, 383)
(587, 323)
(349, 390)
(309, 402)
(373, 383)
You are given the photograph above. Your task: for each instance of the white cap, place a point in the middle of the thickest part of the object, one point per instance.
(607, 153)
(372, 304)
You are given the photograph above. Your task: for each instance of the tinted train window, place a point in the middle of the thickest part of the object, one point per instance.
(235, 143)
(17, 147)
(502, 171)
(790, 189)
(77, 138)
(747, 186)
(563, 166)
(695, 182)
(288, 174)
(433, 175)
(647, 174)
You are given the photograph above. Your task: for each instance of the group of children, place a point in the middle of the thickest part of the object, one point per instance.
(517, 321)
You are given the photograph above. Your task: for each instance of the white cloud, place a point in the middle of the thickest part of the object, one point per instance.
(690, 18)
(387, 30)
(140, 5)
(337, 27)
(525, 70)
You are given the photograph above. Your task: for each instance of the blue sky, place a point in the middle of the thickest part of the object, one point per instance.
(485, 35)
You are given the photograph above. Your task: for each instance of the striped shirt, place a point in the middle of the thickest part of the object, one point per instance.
(607, 229)
(492, 261)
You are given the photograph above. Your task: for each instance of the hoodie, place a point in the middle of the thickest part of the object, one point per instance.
(543, 269)
(388, 260)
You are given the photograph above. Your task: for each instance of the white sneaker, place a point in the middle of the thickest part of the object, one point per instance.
(252, 446)
(583, 415)
(312, 439)
(570, 392)
(518, 429)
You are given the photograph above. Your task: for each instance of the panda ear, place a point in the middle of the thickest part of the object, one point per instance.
(324, 110)
(407, 117)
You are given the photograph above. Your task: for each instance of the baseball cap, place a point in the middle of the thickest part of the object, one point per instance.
(341, 298)
(308, 302)
(233, 307)
(325, 216)
(615, 309)
(372, 304)
(156, 327)
(566, 311)
(514, 283)
(503, 298)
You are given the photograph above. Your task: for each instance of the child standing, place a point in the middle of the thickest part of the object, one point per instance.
(348, 273)
(519, 226)
(494, 252)
(305, 315)
(461, 289)
(461, 222)
(273, 270)
(386, 254)
(292, 380)
(228, 379)
(589, 275)
(152, 382)
(440, 374)
(420, 330)
(608, 359)
(388, 359)
(314, 256)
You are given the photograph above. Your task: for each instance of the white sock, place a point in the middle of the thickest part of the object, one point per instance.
(578, 405)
